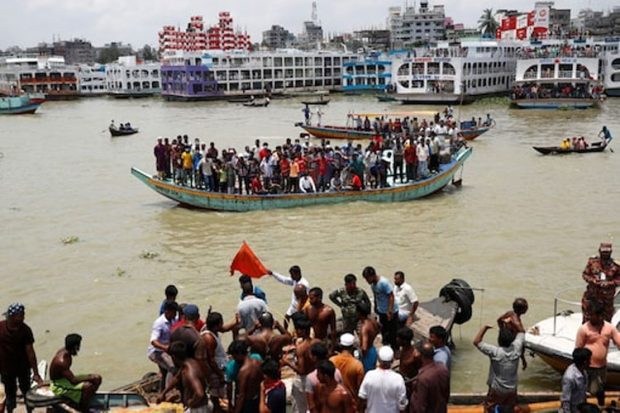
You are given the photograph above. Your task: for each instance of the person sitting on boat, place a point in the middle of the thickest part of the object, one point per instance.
(64, 384)
(366, 124)
(575, 381)
(488, 121)
(128, 126)
(605, 135)
(121, 126)
(112, 125)
(257, 186)
(306, 184)
(565, 145)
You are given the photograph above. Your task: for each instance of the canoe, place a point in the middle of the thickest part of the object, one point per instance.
(315, 102)
(556, 150)
(122, 132)
(337, 132)
(548, 402)
(256, 104)
(241, 203)
(471, 134)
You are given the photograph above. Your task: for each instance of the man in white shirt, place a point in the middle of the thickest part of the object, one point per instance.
(406, 298)
(295, 279)
(250, 308)
(383, 390)
(306, 184)
(160, 340)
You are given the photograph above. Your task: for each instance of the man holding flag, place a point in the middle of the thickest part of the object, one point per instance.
(295, 279)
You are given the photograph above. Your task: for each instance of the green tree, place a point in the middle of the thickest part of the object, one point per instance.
(147, 53)
(487, 23)
(108, 54)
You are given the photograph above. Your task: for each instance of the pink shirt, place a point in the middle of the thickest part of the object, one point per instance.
(597, 342)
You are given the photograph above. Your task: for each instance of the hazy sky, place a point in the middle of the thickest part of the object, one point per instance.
(28, 22)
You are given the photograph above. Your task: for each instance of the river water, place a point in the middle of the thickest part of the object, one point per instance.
(521, 224)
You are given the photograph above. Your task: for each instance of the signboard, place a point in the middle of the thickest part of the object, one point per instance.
(542, 17)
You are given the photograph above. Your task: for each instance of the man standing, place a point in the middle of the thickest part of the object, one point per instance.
(347, 298)
(258, 292)
(438, 336)
(408, 362)
(595, 335)
(160, 340)
(383, 390)
(247, 399)
(369, 328)
(406, 298)
(188, 334)
(430, 389)
(602, 274)
(265, 341)
(296, 278)
(273, 390)
(385, 305)
(160, 158)
(575, 381)
(502, 380)
(351, 368)
(17, 356)
(322, 316)
(78, 389)
(332, 397)
(250, 308)
(192, 380)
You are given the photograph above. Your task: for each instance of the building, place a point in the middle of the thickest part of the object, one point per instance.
(413, 28)
(74, 51)
(92, 80)
(374, 39)
(277, 38)
(48, 75)
(311, 38)
(559, 19)
(197, 38)
(601, 24)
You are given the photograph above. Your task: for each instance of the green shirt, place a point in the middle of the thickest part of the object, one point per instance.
(348, 302)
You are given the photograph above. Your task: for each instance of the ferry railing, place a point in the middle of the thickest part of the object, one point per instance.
(558, 299)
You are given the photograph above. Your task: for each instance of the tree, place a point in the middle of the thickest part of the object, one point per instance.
(108, 54)
(147, 53)
(487, 23)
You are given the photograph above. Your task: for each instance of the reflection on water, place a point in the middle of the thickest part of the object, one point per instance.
(521, 224)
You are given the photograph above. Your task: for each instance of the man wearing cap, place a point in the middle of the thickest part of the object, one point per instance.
(188, 334)
(347, 298)
(17, 356)
(383, 390)
(351, 368)
(602, 274)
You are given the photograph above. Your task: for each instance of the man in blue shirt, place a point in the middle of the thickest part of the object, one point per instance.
(258, 292)
(385, 305)
(438, 336)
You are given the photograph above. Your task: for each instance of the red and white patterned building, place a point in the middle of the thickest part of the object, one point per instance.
(196, 38)
(523, 26)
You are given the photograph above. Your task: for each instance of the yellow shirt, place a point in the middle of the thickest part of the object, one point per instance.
(188, 161)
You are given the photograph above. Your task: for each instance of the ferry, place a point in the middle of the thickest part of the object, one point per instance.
(48, 75)
(212, 75)
(367, 74)
(92, 80)
(611, 67)
(128, 78)
(454, 72)
(558, 75)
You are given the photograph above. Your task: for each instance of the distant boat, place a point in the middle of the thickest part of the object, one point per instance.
(257, 103)
(315, 102)
(17, 105)
(556, 150)
(122, 132)
(241, 203)
(386, 98)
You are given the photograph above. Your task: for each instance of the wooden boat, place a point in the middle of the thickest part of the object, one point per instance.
(337, 132)
(240, 203)
(527, 402)
(556, 150)
(17, 105)
(122, 132)
(473, 133)
(315, 102)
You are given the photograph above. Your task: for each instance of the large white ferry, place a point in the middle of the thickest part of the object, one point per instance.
(92, 80)
(47, 75)
(218, 74)
(553, 74)
(129, 78)
(454, 72)
(611, 67)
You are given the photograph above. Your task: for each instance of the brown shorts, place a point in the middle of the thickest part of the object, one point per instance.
(505, 401)
(597, 377)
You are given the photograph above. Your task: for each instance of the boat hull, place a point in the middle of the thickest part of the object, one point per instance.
(335, 132)
(433, 98)
(555, 103)
(117, 132)
(556, 150)
(471, 134)
(23, 110)
(315, 102)
(613, 92)
(243, 203)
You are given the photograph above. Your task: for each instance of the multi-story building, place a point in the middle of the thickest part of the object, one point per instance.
(374, 39)
(92, 80)
(48, 75)
(128, 78)
(277, 38)
(412, 28)
(197, 38)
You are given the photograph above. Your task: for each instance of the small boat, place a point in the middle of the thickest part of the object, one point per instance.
(40, 397)
(122, 132)
(553, 340)
(556, 150)
(560, 103)
(316, 102)
(528, 402)
(470, 131)
(17, 105)
(337, 132)
(198, 198)
(386, 98)
(257, 103)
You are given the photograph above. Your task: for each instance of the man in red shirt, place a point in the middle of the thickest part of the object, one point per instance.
(356, 183)
(323, 169)
(411, 161)
(285, 169)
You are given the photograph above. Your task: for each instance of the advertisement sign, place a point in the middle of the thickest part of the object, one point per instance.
(542, 17)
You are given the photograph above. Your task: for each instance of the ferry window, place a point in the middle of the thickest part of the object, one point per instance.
(566, 71)
(547, 71)
(404, 83)
(494, 81)
(448, 69)
(484, 82)
(615, 64)
(403, 70)
(583, 72)
(531, 72)
(615, 77)
(468, 84)
(433, 68)
(475, 69)
(417, 68)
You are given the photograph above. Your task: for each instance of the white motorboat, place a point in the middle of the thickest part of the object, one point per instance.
(553, 340)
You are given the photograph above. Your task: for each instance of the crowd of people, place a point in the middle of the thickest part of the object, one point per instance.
(367, 362)
(564, 50)
(121, 126)
(555, 91)
(402, 151)
(580, 143)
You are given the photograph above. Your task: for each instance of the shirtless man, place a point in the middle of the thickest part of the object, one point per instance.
(333, 397)
(265, 342)
(512, 320)
(369, 328)
(595, 335)
(322, 316)
(248, 380)
(301, 295)
(303, 365)
(408, 363)
(78, 389)
(191, 379)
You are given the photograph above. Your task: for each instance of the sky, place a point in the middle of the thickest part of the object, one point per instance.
(26, 23)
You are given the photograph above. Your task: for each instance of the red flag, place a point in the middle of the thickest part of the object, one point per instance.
(246, 262)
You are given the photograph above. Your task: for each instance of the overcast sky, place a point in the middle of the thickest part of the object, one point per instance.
(28, 22)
